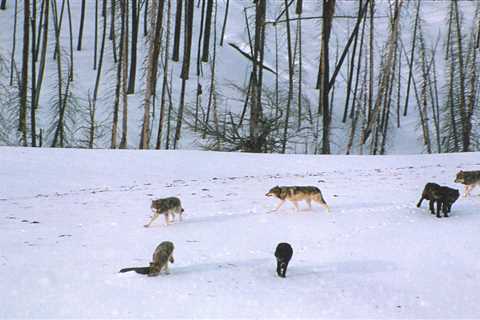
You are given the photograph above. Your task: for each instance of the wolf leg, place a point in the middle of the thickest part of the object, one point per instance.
(439, 206)
(431, 206)
(167, 220)
(295, 203)
(278, 206)
(155, 216)
(166, 268)
(468, 188)
(309, 203)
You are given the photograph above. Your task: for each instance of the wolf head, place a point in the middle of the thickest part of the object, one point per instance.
(453, 195)
(274, 192)
(450, 197)
(155, 204)
(460, 177)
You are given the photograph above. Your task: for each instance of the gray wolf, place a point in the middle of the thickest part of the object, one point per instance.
(470, 179)
(283, 253)
(443, 196)
(161, 257)
(165, 206)
(297, 193)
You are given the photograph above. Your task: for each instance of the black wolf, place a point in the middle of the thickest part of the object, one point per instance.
(283, 253)
(443, 196)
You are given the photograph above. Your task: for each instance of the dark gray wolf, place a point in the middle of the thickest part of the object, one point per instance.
(283, 253)
(470, 179)
(165, 206)
(297, 193)
(162, 255)
(443, 196)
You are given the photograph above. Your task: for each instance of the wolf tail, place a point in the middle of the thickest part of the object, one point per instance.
(141, 270)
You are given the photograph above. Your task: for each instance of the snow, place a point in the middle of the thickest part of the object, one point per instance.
(71, 219)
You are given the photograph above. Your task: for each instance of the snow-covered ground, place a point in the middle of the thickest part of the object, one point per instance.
(71, 219)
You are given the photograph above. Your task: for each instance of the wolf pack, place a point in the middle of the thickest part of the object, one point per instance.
(441, 199)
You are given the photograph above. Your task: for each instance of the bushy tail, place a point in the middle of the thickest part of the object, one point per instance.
(141, 270)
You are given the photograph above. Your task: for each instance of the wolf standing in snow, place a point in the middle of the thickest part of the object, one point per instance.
(165, 206)
(470, 179)
(297, 193)
(162, 255)
(443, 196)
(283, 253)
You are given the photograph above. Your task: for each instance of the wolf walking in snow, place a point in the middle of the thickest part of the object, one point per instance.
(297, 193)
(283, 253)
(162, 255)
(165, 206)
(470, 179)
(443, 196)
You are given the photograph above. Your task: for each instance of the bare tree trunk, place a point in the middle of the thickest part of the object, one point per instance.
(14, 44)
(33, 128)
(298, 11)
(70, 33)
(178, 31)
(124, 93)
(324, 73)
(41, 72)
(463, 114)
(24, 84)
(165, 79)
(133, 55)
(385, 74)
(152, 66)
(95, 43)
(91, 137)
(352, 67)
(58, 136)
(206, 38)
(189, 7)
(405, 110)
(80, 31)
(224, 23)
(112, 30)
(290, 78)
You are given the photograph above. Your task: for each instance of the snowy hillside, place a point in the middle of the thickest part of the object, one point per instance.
(231, 69)
(71, 219)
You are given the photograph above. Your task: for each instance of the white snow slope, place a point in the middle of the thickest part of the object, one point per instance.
(71, 219)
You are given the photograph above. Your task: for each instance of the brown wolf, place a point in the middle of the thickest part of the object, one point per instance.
(470, 179)
(161, 257)
(165, 206)
(297, 193)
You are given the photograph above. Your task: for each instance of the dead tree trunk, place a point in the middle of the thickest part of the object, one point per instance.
(290, 78)
(24, 82)
(324, 73)
(80, 30)
(133, 47)
(189, 7)
(152, 66)
(124, 93)
(165, 79)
